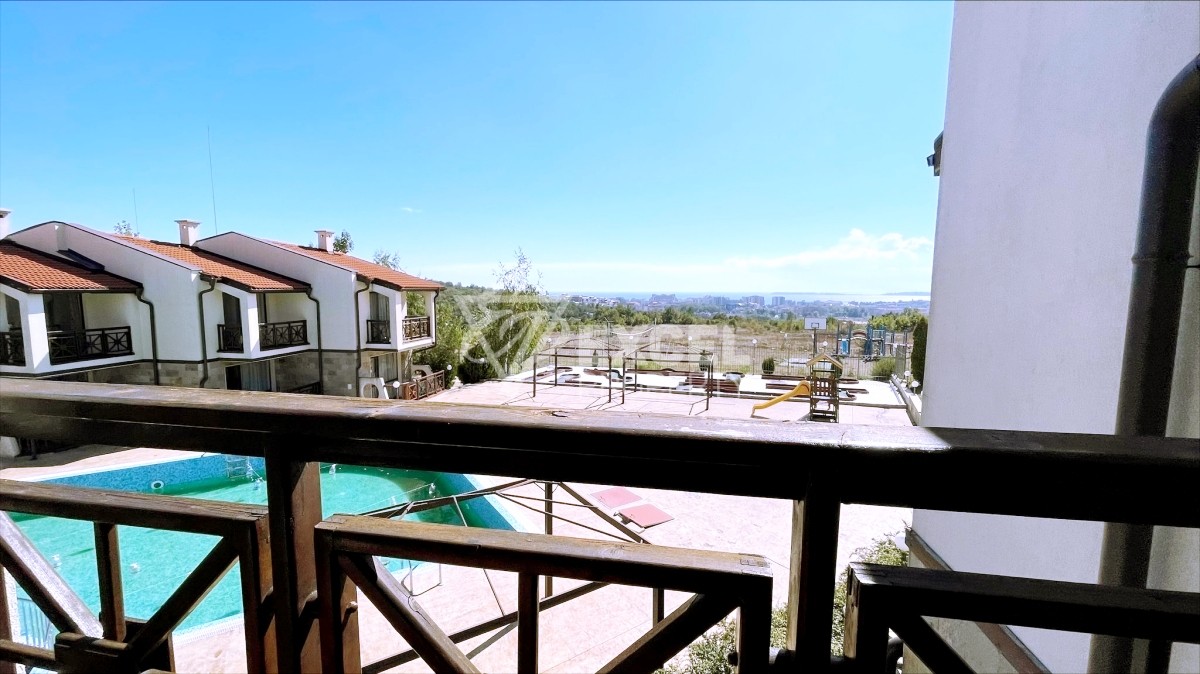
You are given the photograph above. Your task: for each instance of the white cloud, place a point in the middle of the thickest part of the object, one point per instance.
(410, 210)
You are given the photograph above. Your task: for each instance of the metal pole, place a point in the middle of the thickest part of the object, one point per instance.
(1152, 329)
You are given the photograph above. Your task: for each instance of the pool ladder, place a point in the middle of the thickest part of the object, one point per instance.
(237, 467)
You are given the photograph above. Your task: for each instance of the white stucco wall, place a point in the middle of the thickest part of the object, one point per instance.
(332, 286)
(1045, 131)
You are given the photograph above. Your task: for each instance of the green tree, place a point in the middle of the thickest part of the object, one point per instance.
(515, 317)
(389, 260)
(124, 228)
(920, 337)
(342, 243)
(447, 351)
(476, 367)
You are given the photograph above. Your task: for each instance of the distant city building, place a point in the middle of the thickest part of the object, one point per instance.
(758, 300)
(778, 300)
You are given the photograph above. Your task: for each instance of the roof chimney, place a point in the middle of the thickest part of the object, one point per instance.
(325, 240)
(188, 232)
(4, 222)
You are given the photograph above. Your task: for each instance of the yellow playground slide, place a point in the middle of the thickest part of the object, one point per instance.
(802, 389)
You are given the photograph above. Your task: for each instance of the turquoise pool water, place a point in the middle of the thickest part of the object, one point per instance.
(155, 562)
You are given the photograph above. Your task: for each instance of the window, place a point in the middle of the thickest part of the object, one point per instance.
(12, 309)
(379, 307)
(262, 308)
(64, 312)
(249, 377)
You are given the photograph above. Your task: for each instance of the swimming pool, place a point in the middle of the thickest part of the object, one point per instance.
(155, 562)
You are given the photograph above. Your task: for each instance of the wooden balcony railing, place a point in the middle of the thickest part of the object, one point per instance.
(229, 338)
(12, 348)
(69, 347)
(280, 335)
(1137, 480)
(423, 387)
(110, 641)
(379, 332)
(416, 327)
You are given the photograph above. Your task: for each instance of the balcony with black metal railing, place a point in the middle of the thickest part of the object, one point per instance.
(74, 346)
(379, 331)
(282, 335)
(12, 348)
(317, 568)
(230, 338)
(416, 327)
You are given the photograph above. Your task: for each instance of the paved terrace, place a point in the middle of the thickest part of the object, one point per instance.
(584, 633)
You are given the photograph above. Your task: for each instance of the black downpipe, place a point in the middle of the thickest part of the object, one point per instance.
(1152, 329)
(320, 350)
(358, 332)
(212, 285)
(153, 331)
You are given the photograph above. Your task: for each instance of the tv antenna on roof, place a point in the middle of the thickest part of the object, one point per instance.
(212, 185)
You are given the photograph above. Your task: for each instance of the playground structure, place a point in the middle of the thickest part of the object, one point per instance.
(821, 388)
(823, 400)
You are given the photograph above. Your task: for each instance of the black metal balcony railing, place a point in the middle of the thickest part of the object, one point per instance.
(379, 331)
(68, 347)
(229, 338)
(280, 335)
(1137, 480)
(416, 327)
(12, 348)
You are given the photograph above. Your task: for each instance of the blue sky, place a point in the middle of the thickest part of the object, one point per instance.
(674, 147)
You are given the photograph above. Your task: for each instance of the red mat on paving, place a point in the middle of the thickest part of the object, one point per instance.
(615, 497)
(645, 515)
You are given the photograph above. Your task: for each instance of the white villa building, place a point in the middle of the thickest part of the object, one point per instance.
(230, 312)
(370, 326)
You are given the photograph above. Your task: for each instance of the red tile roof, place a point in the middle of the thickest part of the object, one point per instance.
(230, 271)
(33, 270)
(377, 272)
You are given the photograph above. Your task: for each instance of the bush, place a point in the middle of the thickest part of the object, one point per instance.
(883, 368)
(768, 365)
(476, 367)
(920, 336)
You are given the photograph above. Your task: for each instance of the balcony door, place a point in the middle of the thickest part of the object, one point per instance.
(233, 310)
(64, 312)
(229, 332)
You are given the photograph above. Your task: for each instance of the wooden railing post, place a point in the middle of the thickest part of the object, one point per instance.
(549, 528)
(527, 623)
(294, 504)
(338, 613)
(108, 571)
(6, 632)
(254, 557)
(810, 582)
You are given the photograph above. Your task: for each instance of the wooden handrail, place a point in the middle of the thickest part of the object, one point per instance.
(1140, 480)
